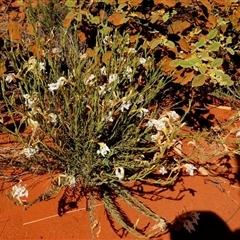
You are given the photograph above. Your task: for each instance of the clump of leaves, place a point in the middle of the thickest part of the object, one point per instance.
(203, 60)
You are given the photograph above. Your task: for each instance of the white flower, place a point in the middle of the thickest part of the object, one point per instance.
(56, 50)
(128, 72)
(151, 122)
(119, 173)
(30, 101)
(173, 115)
(140, 98)
(55, 86)
(34, 124)
(132, 50)
(112, 78)
(104, 149)
(157, 137)
(103, 71)
(10, 77)
(31, 64)
(143, 112)
(160, 226)
(159, 124)
(238, 134)
(42, 66)
(90, 80)
(82, 56)
(125, 105)
(72, 182)
(30, 151)
(162, 170)
(142, 61)
(108, 118)
(53, 117)
(107, 40)
(19, 191)
(102, 89)
(189, 168)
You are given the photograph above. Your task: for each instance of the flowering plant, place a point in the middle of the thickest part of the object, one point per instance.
(18, 192)
(95, 124)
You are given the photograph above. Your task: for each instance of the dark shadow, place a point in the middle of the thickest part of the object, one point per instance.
(12, 126)
(180, 98)
(209, 227)
(113, 205)
(237, 174)
(70, 199)
(156, 193)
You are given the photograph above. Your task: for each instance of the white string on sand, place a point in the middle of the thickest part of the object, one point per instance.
(56, 215)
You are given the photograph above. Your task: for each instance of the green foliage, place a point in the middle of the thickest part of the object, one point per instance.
(203, 61)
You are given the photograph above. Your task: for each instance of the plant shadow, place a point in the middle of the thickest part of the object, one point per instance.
(73, 195)
(191, 104)
(237, 174)
(70, 198)
(210, 226)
